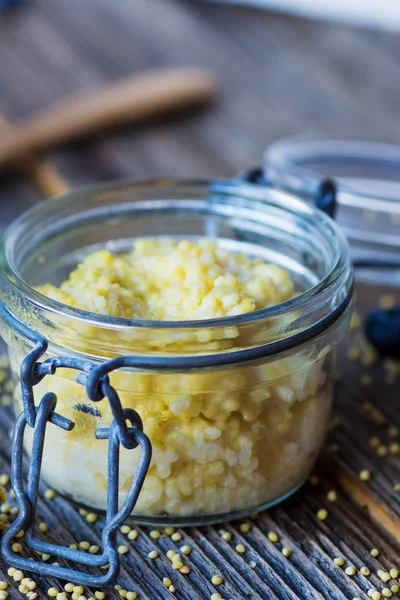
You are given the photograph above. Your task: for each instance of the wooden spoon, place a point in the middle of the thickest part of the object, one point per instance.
(45, 176)
(132, 100)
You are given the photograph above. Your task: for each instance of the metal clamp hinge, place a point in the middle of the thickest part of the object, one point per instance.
(119, 433)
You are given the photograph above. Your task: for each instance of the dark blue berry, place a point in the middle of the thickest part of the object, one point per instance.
(7, 4)
(383, 331)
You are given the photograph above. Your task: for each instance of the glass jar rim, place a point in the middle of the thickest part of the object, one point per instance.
(9, 270)
(286, 163)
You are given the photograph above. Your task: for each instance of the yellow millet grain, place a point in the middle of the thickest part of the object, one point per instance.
(331, 496)
(394, 588)
(125, 529)
(240, 548)
(43, 527)
(272, 536)
(286, 552)
(322, 514)
(364, 475)
(185, 570)
(91, 518)
(366, 380)
(374, 552)
(49, 494)
(176, 537)
(365, 571)
(153, 554)
(167, 582)
(216, 580)
(350, 571)
(169, 530)
(78, 589)
(386, 593)
(132, 535)
(394, 573)
(185, 549)
(387, 301)
(382, 451)
(52, 592)
(69, 587)
(84, 545)
(245, 527)
(122, 549)
(155, 534)
(353, 353)
(339, 561)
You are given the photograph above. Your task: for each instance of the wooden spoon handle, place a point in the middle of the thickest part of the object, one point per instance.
(45, 176)
(132, 100)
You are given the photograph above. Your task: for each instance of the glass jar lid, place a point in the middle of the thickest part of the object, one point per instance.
(367, 178)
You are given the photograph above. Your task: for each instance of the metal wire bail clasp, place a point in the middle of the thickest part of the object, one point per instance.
(119, 433)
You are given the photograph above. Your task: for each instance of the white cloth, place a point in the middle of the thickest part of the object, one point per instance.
(377, 14)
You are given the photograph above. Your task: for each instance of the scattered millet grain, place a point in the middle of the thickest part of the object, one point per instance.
(339, 561)
(322, 514)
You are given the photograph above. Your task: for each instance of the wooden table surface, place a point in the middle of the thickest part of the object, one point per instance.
(277, 76)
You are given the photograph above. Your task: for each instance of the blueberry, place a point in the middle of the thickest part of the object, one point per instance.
(7, 4)
(383, 331)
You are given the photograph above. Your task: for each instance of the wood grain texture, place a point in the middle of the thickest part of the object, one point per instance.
(277, 76)
(139, 99)
(43, 174)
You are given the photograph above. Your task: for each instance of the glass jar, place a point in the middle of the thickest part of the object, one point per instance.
(237, 408)
(366, 175)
